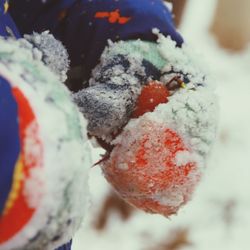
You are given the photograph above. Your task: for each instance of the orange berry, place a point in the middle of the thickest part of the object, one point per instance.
(151, 96)
(152, 168)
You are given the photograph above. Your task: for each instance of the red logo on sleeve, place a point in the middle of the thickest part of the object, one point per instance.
(113, 17)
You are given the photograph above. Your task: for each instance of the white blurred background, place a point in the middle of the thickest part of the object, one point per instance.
(218, 217)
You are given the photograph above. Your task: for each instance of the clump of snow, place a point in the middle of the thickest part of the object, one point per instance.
(118, 68)
(50, 50)
(172, 197)
(194, 115)
(58, 188)
(31, 146)
(169, 5)
(183, 59)
(183, 157)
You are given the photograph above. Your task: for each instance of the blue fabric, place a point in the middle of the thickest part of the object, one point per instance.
(7, 26)
(74, 22)
(65, 247)
(9, 139)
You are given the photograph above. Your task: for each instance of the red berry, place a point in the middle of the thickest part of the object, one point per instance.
(152, 168)
(151, 96)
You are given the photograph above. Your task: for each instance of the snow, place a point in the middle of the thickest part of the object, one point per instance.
(51, 51)
(183, 157)
(193, 114)
(218, 217)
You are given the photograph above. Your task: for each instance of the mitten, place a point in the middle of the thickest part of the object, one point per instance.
(49, 50)
(152, 107)
(44, 154)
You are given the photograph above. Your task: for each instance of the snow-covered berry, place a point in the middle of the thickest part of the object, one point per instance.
(152, 168)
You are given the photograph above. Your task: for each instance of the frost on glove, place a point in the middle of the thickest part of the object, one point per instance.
(109, 101)
(154, 111)
(44, 155)
(49, 50)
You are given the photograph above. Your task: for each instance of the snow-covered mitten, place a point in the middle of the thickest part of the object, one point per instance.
(49, 50)
(151, 107)
(44, 154)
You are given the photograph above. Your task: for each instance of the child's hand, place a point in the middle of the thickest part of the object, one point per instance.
(44, 154)
(157, 133)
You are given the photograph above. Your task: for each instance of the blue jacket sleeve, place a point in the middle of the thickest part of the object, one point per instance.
(7, 26)
(85, 26)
